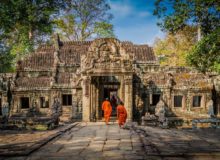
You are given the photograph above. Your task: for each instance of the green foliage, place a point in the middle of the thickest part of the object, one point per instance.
(65, 26)
(172, 50)
(84, 20)
(104, 30)
(204, 14)
(176, 14)
(6, 60)
(23, 22)
(206, 54)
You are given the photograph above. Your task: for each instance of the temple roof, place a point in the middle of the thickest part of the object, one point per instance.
(70, 53)
(182, 80)
(28, 82)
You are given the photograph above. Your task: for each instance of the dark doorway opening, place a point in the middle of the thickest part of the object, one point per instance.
(25, 102)
(0, 106)
(112, 95)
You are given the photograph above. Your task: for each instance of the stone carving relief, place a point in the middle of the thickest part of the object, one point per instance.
(56, 109)
(160, 112)
(170, 82)
(128, 80)
(105, 54)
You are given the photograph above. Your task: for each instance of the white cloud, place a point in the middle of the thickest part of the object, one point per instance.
(120, 9)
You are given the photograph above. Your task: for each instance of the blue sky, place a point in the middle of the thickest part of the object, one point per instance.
(134, 21)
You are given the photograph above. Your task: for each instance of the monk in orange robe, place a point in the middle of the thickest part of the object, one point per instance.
(121, 114)
(107, 108)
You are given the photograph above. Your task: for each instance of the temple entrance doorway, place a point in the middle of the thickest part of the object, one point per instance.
(96, 88)
(112, 95)
(104, 87)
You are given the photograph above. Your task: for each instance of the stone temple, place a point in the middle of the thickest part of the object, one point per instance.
(80, 75)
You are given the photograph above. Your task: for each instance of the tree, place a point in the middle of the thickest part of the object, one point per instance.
(85, 20)
(172, 50)
(6, 60)
(175, 14)
(23, 24)
(205, 56)
(203, 14)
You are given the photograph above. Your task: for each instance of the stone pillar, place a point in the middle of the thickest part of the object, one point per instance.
(145, 98)
(86, 98)
(128, 101)
(184, 103)
(101, 97)
(121, 89)
(74, 104)
(97, 102)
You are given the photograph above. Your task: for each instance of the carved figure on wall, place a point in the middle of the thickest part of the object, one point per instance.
(210, 109)
(5, 110)
(139, 104)
(11, 83)
(104, 54)
(160, 112)
(170, 81)
(56, 109)
(5, 83)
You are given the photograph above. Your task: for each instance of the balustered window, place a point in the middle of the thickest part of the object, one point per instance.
(197, 101)
(178, 101)
(44, 103)
(67, 99)
(24, 101)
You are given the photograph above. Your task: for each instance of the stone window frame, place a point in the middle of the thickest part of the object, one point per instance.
(29, 101)
(67, 100)
(45, 102)
(182, 102)
(203, 100)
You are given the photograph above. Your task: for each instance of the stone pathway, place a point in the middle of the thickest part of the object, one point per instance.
(96, 141)
(23, 142)
(180, 143)
(93, 141)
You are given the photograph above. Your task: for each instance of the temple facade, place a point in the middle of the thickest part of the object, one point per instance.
(80, 75)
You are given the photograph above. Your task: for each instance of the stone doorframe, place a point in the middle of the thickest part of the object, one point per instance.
(106, 57)
(90, 96)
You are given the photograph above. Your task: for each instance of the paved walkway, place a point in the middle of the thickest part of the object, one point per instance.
(188, 143)
(96, 141)
(93, 141)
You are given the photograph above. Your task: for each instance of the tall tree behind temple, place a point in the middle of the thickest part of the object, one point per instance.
(25, 23)
(173, 49)
(84, 20)
(205, 15)
(175, 15)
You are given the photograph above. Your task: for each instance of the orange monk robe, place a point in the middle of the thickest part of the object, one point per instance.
(121, 114)
(107, 108)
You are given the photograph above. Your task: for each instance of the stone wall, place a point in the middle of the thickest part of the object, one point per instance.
(67, 68)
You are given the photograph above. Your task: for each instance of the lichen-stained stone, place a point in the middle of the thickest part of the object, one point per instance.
(81, 74)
